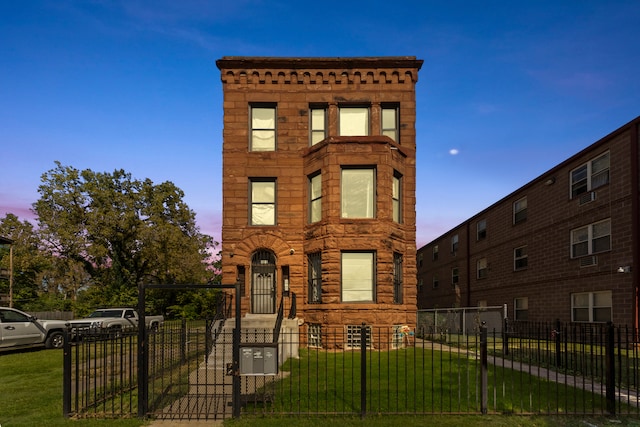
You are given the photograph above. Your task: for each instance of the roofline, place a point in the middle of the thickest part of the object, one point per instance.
(543, 177)
(319, 62)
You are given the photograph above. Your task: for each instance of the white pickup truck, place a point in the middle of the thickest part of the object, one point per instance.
(19, 329)
(114, 319)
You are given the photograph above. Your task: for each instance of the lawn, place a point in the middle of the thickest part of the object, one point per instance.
(32, 395)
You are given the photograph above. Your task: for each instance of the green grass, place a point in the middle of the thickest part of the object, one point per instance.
(415, 380)
(31, 392)
(31, 395)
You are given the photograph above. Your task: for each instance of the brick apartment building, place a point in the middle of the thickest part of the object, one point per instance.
(319, 187)
(564, 246)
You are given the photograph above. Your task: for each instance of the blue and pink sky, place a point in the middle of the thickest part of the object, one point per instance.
(508, 88)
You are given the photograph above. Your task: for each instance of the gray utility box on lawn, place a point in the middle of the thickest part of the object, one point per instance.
(259, 360)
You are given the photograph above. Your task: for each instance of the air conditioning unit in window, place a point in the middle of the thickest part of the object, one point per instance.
(588, 261)
(587, 198)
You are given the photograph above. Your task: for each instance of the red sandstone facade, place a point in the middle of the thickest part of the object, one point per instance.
(565, 246)
(319, 187)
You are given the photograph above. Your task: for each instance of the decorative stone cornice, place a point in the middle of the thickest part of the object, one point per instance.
(279, 70)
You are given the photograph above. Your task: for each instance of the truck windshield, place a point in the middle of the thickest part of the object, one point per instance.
(106, 313)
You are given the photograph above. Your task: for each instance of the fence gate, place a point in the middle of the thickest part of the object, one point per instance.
(180, 371)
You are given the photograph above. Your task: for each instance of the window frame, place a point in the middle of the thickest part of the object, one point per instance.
(397, 278)
(481, 229)
(455, 276)
(520, 258)
(254, 130)
(391, 132)
(253, 205)
(396, 197)
(343, 130)
(348, 272)
(521, 312)
(591, 240)
(435, 252)
(314, 277)
(586, 184)
(455, 241)
(315, 132)
(591, 306)
(519, 211)
(482, 268)
(315, 200)
(370, 196)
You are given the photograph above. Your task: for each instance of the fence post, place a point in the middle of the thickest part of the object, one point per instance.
(363, 370)
(505, 337)
(610, 370)
(66, 378)
(558, 343)
(183, 340)
(483, 369)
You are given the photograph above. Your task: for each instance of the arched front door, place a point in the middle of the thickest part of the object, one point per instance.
(263, 282)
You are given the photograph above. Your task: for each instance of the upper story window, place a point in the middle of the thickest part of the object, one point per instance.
(520, 258)
(591, 239)
(317, 124)
(263, 128)
(435, 253)
(590, 175)
(358, 276)
(454, 243)
(481, 229)
(354, 121)
(395, 197)
(520, 210)
(315, 197)
(435, 281)
(263, 201)
(358, 193)
(482, 268)
(420, 259)
(389, 121)
(314, 261)
(455, 276)
(397, 278)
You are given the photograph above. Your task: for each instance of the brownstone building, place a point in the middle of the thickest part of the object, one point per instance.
(564, 246)
(319, 187)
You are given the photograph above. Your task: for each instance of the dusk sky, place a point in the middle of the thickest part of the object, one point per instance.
(508, 89)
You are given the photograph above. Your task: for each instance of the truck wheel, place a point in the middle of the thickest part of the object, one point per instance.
(54, 340)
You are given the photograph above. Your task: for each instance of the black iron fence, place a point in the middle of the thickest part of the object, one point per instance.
(525, 368)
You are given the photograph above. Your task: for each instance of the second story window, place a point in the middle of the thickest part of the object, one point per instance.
(481, 228)
(520, 258)
(315, 197)
(395, 197)
(455, 276)
(482, 268)
(590, 175)
(354, 121)
(263, 201)
(591, 239)
(314, 261)
(520, 210)
(358, 193)
(263, 128)
(317, 124)
(454, 243)
(397, 278)
(389, 121)
(435, 253)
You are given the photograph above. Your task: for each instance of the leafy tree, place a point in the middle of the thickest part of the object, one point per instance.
(109, 233)
(29, 264)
